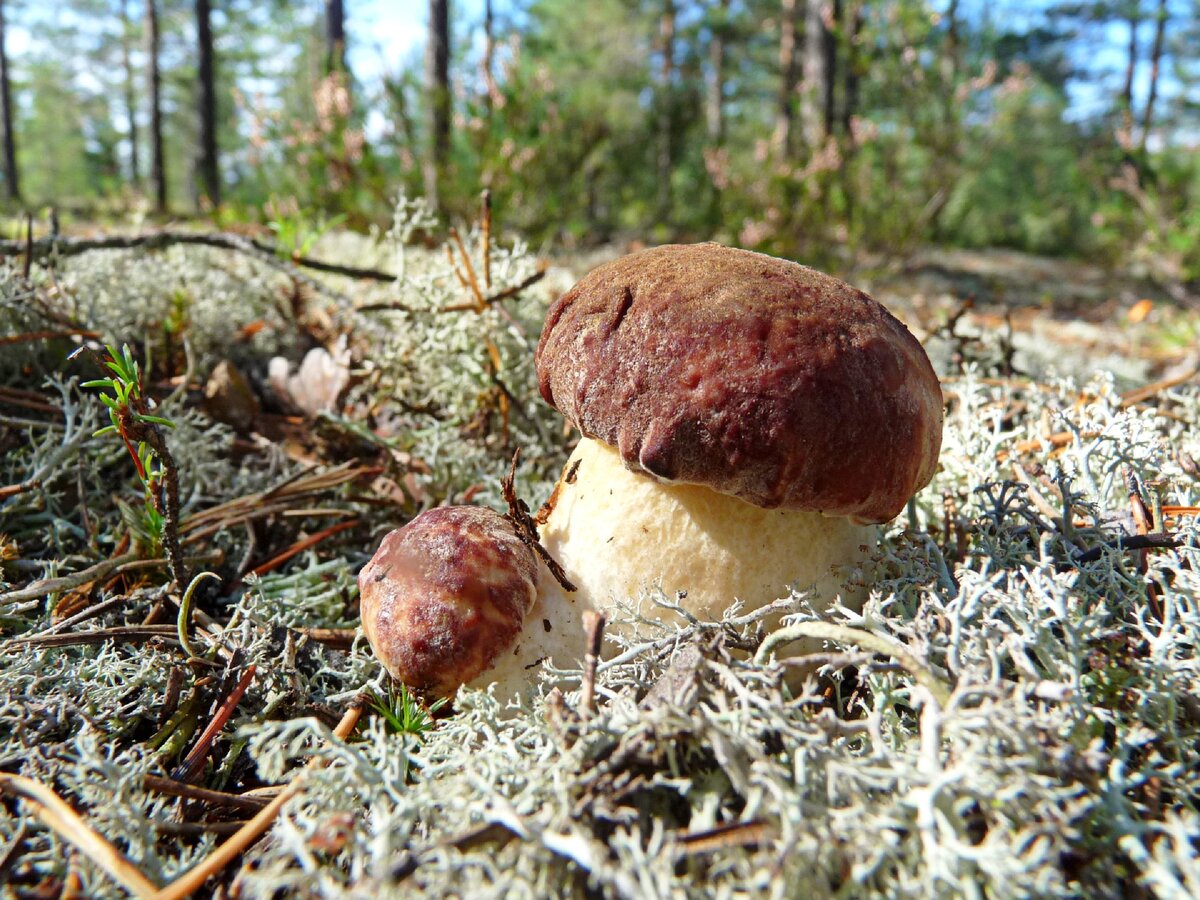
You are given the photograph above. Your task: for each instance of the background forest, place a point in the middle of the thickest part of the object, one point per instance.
(802, 128)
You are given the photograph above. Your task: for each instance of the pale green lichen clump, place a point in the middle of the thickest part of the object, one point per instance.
(1066, 761)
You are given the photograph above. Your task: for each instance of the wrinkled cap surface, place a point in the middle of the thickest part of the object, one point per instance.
(445, 595)
(754, 376)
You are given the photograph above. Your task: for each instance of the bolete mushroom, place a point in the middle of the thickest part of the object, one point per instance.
(746, 421)
(446, 595)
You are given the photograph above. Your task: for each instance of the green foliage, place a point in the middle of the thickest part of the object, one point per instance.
(1025, 184)
(124, 391)
(403, 713)
(296, 232)
(121, 394)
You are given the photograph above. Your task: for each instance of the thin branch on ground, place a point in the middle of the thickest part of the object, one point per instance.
(43, 248)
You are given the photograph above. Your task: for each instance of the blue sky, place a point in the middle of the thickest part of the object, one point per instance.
(383, 34)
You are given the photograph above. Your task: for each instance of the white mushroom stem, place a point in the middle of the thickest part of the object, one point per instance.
(617, 533)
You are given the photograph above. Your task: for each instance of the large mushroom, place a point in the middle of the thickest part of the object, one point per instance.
(745, 420)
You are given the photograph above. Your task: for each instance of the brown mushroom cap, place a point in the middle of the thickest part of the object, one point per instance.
(754, 376)
(445, 595)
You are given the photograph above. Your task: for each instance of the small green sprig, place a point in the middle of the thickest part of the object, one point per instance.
(296, 234)
(125, 391)
(121, 392)
(404, 713)
(130, 416)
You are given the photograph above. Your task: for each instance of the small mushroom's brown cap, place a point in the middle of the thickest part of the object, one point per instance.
(445, 595)
(754, 376)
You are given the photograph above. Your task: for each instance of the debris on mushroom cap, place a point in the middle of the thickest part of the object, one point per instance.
(445, 595)
(754, 376)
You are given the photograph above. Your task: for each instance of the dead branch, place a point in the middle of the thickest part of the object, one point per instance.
(42, 249)
(523, 523)
(1131, 542)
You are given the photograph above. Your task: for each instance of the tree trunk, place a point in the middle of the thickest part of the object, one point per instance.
(12, 183)
(951, 65)
(666, 112)
(714, 97)
(208, 174)
(850, 77)
(135, 168)
(158, 173)
(815, 75)
(1134, 17)
(335, 36)
(850, 73)
(831, 64)
(785, 112)
(1156, 53)
(489, 51)
(437, 83)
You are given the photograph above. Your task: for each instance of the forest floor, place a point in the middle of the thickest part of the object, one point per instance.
(1012, 713)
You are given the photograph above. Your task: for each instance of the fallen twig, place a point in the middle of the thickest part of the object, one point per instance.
(1143, 521)
(1149, 391)
(28, 400)
(42, 249)
(123, 633)
(302, 545)
(11, 490)
(47, 335)
(118, 565)
(280, 499)
(84, 614)
(472, 280)
(172, 788)
(197, 829)
(724, 837)
(876, 643)
(499, 295)
(337, 638)
(1159, 541)
(191, 764)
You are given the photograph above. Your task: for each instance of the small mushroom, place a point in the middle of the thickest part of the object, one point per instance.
(745, 421)
(445, 596)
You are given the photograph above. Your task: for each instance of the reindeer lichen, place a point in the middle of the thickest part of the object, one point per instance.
(1063, 759)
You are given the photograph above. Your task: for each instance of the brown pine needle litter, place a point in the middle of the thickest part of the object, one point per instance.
(237, 843)
(1012, 713)
(56, 814)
